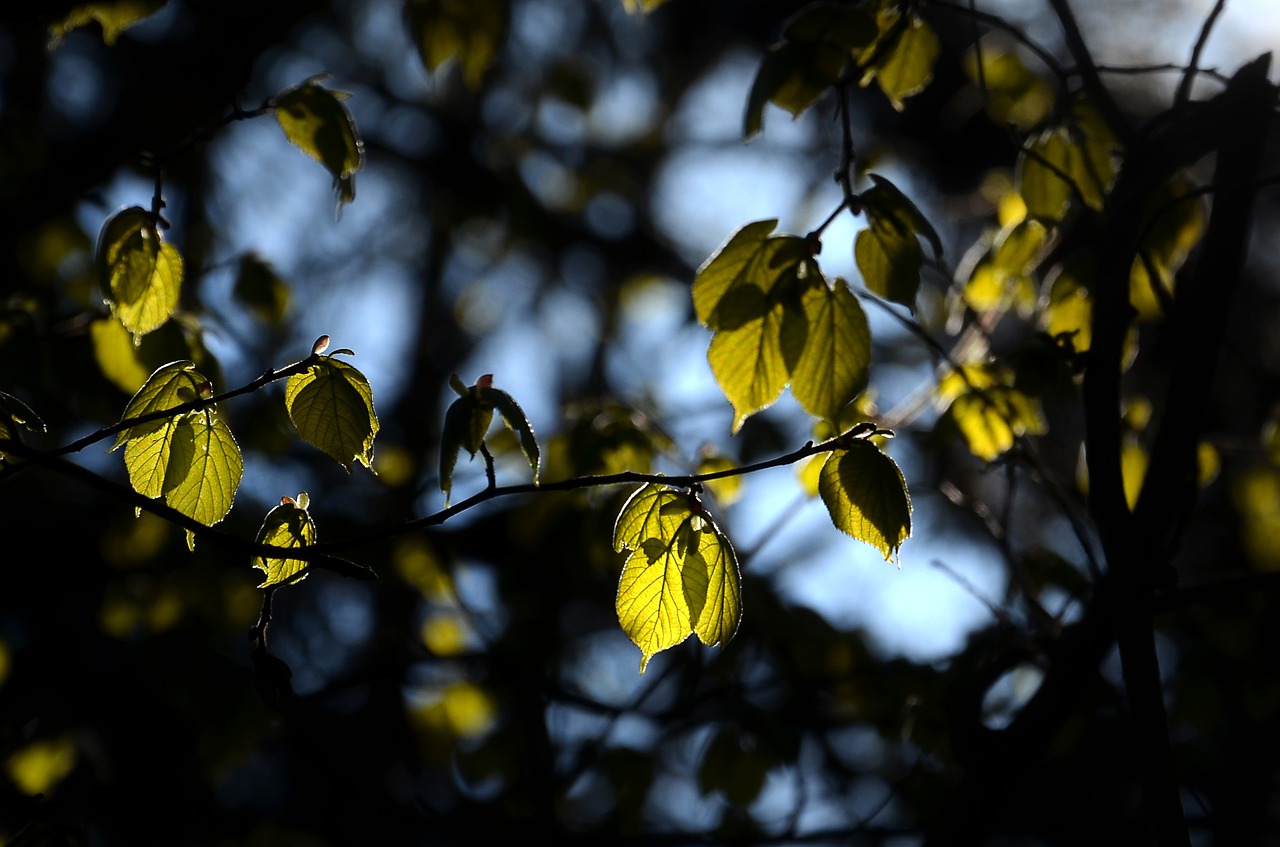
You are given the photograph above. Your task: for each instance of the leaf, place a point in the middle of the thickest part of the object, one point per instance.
(835, 363)
(140, 274)
(681, 577)
(287, 525)
(1004, 278)
(1066, 164)
(800, 69)
(989, 411)
(314, 119)
(866, 496)
(1012, 93)
(16, 415)
(889, 260)
(750, 294)
(331, 406)
(1174, 222)
(514, 417)
(471, 31)
(642, 6)
(901, 59)
(115, 16)
(191, 458)
(467, 421)
(261, 289)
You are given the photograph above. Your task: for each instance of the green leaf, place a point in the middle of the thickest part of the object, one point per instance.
(1004, 277)
(140, 274)
(115, 16)
(261, 289)
(889, 259)
(1066, 164)
(1012, 93)
(14, 416)
(467, 421)
(866, 496)
(287, 525)
(331, 406)
(800, 69)
(835, 364)
(471, 31)
(988, 410)
(682, 575)
(886, 200)
(314, 119)
(750, 294)
(901, 59)
(190, 458)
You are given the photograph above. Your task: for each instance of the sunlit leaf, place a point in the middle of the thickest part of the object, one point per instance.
(726, 490)
(140, 273)
(1013, 94)
(471, 31)
(866, 496)
(901, 59)
(115, 16)
(750, 294)
(36, 768)
(1067, 316)
(331, 405)
(287, 525)
(834, 366)
(988, 410)
(1004, 277)
(117, 355)
(1174, 222)
(168, 387)
(681, 576)
(515, 419)
(889, 260)
(1067, 164)
(207, 490)
(1133, 469)
(314, 119)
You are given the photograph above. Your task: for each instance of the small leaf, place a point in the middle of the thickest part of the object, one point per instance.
(331, 406)
(989, 411)
(901, 59)
(866, 496)
(115, 16)
(287, 525)
(1066, 164)
(314, 119)
(14, 416)
(460, 427)
(140, 274)
(513, 416)
(889, 260)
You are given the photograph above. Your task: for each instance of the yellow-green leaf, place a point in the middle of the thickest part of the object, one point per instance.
(115, 16)
(1174, 222)
(314, 119)
(287, 525)
(117, 355)
(989, 411)
(749, 294)
(331, 405)
(1013, 94)
(471, 31)
(515, 419)
(140, 273)
(836, 360)
(866, 496)
(208, 489)
(727, 489)
(901, 59)
(641, 6)
(889, 259)
(1067, 164)
(168, 386)
(681, 577)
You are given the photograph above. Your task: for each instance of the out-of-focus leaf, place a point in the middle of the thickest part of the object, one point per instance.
(641, 6)
(988, 410)
(471, 31)
(117, 355)
(727, 767)
(1013, 94)
(887, 252)
(261, 289)
(726, 490)
(1004, 277)
(331, 406)
(901, 58)
(16, 415)
(1174, 222)
(604, 438)
(140, 273)
(287, 525)
(866, 496)
(314, 119)
(115, 16)
(1067, 164)
(681, 576)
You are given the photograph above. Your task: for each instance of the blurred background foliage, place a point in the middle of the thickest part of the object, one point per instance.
(541, 181)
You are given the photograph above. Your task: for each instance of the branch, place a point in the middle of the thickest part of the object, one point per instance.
(1093, 84)
(1189, 76)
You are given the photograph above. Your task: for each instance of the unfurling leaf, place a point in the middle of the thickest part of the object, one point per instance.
(140, 273)
(681, 577)
(331, 406)
(467, 421)
(287, 525)
(314, 119)
(866, 496)
(189, 458)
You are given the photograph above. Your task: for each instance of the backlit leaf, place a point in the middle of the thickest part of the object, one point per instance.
(1013, 94)
(471, 31)
(117, 355)
(1067, 164)
(889, 260)
(681, 576)
(866, 496)
(514, 417)
(901, 59)
(191, 458)
(1174, 221)
(287, 525)
(331, 405)
(834, 366)
(115, 16)
(989, 411)
(314, 119)
(140, 273)
(750, 294)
